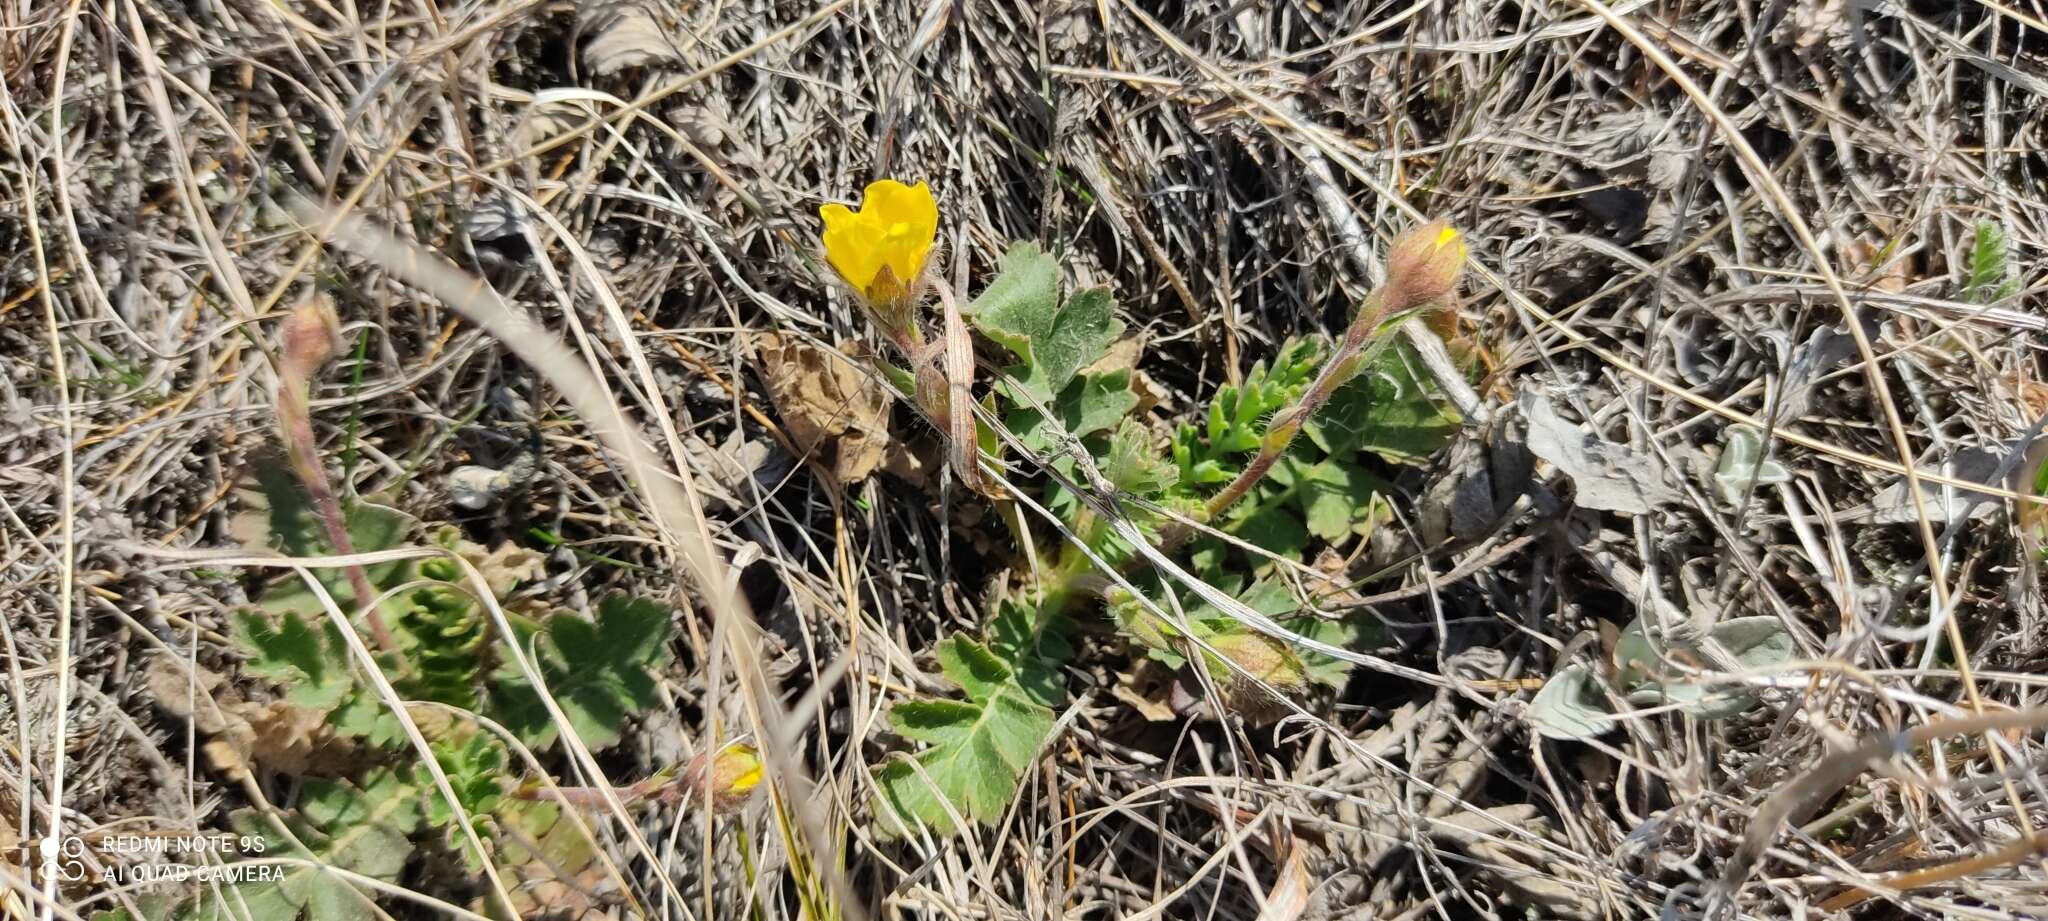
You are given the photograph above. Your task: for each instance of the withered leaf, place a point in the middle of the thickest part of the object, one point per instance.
(829, 405)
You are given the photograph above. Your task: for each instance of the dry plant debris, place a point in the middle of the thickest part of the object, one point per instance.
(437, 447)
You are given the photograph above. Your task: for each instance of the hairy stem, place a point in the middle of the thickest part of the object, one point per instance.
(295, 417)
(1281, 430)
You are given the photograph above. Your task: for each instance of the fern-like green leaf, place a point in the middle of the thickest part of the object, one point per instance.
(1211, 453)
(476, 772)
(1133, 466)
(446, 640)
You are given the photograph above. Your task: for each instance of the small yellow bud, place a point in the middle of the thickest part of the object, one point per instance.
(1423, 266)
(1260, 656)
(1281, 429)
(1270, 671)
(731, 774)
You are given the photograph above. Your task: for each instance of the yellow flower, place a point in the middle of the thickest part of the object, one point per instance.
(881, 249)
(1424, 265)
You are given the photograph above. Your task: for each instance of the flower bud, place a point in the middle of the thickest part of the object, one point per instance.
(1423, 266)
(1270, 671)
(730, 775)
(312, 334)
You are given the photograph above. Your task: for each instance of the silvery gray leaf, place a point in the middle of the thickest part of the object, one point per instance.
(1570, 706)
(1894, 503)
(1743, 465)
(494, 218)
(1609, 477)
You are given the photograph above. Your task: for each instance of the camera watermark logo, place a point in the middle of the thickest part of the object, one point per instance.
(146, 859)
(61, 859)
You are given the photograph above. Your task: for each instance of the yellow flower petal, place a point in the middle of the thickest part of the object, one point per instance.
(845, 238)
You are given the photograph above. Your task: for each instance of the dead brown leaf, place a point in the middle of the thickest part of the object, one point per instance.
(826, 402)
(1292, 893)
(1122, 355)
(504, 568)
(244, 733)
(624, 34)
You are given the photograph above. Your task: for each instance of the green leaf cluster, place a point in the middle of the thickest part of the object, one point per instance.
(1387, 409)
(601, 671)
(971, 753)
(1051, 404)
(364, 827)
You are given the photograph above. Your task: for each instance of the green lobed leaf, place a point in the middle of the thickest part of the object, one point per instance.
(1336, 498)
(311, 662)
(979, 748)
(1271, 597)
(1018, 303)
(1091, 403)
(1034, 637)
(362, 715)
(1344, 633)
(1021, 311)
(1273, 528)
(601, 673)
(295, 530)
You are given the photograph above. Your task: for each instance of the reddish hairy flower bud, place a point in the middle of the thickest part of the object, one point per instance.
(1423, 266)
(312, 334)
(729, 775)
